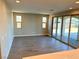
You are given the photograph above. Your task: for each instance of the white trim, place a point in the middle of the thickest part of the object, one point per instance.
(29, 35)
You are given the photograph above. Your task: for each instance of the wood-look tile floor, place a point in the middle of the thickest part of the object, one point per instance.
(30, 46)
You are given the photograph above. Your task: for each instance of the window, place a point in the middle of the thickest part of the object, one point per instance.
(59, 22)
(18, 18)
(44, 21)
(18, 21)
(18, 25)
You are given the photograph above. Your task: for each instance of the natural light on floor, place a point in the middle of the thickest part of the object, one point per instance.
(73, 54)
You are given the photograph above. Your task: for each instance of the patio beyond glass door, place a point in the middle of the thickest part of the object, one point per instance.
(65, 33)
(59, 28)
(74, 31)
(66, 29)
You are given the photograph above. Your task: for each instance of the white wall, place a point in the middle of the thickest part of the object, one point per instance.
(6, 29)
(50, 24)
(31, 25)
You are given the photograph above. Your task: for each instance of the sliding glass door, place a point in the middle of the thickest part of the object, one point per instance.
(59, 27)
(74, 31)
(65, 32)
(66, 29)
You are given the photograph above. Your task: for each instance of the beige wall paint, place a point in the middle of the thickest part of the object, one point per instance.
(50, 24)
(6, 29)
(68, 12)
(0, 34)
(31, 25)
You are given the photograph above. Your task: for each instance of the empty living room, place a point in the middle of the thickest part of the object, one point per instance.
(39, 29)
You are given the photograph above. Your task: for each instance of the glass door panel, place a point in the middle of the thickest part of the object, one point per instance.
(65, 33)
(74, 31)
(59, 27)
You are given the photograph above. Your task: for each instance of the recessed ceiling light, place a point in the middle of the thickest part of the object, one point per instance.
(71, 8)
(18, 1)
(77, 2)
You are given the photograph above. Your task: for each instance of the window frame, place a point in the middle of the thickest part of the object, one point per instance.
(44, 22)
(18, 22)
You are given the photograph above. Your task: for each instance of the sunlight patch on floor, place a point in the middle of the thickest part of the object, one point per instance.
(72, 54)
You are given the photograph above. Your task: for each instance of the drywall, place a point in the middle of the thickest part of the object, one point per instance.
(31, 25)
(6, 29)
(68, 12)
(0, 34)
(50, 24)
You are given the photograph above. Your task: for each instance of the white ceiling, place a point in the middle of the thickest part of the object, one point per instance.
(42, 6)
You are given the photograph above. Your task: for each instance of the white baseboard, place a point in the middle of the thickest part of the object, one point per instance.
(30, 35)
